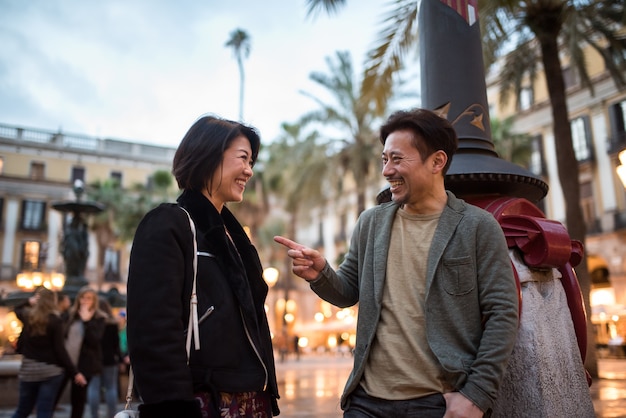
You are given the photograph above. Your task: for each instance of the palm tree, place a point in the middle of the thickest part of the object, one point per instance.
(297, 170)
(124, 209)
(513, 147)
(398, 38)
(354, 115)
(542, 30)
(545, 29)
(239, 41)
(296, 173)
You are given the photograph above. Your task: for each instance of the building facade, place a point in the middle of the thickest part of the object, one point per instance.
(39, 168)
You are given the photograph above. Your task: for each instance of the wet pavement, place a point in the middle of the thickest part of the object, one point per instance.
(311, 387)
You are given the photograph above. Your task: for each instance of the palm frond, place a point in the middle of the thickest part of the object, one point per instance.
(329, 6)
(396, 39)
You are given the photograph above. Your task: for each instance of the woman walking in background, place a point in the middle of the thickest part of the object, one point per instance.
(45, 361)
(111, 359)
(83, 343)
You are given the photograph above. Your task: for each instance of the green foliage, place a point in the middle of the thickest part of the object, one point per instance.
(513, 147)
(353, 113)
(126, 207)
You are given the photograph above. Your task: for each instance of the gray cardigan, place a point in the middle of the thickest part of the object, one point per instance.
(471, 295)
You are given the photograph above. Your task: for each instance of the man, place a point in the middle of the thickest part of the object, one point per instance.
(63, 304)
(438, 303)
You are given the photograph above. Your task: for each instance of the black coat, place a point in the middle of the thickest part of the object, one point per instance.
(111, 353)
(48, 348)
(235, 346)
(90, 358)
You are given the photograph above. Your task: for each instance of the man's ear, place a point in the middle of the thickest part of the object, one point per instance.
(439, 159)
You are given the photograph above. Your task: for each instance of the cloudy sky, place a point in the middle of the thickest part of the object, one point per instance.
(144, 70)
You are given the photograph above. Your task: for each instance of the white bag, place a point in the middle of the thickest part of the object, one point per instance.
(127, 413)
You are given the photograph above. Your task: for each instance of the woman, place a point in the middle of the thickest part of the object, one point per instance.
(111, 360)
(232, 371)
(45, 360)
(83, 343)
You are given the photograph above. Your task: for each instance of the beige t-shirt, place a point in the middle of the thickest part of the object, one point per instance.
(401, 364)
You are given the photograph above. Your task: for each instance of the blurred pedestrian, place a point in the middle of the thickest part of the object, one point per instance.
(107, 380)
(121, 322)
(122, 381)
(63, 304)
(45, 361)
(230, 369)
(84, 332)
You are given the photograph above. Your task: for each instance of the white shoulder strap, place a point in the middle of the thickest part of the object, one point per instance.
(192, 327)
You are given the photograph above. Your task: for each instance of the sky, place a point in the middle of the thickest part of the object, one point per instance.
(145, 70)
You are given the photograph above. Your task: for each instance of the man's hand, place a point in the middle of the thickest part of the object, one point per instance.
(306, 262)
(458, 406)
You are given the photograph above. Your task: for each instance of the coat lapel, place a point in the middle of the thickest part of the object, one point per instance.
(450, 218)
(383, 221)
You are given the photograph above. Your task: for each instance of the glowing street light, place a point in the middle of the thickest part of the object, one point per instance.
(621, 169)
(270, 275)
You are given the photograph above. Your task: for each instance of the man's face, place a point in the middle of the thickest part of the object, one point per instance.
(410, 178)
(65, 303)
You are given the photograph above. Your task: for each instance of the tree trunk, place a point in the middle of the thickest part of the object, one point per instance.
(241, 85)
(567, 165)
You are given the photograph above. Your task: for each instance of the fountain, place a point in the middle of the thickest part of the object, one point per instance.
(75, 245)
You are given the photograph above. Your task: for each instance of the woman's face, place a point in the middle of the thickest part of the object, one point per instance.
(88, 299)
(231, 176)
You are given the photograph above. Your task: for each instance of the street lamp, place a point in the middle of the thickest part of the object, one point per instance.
(270, 275)
(29, 280)
(621, 169)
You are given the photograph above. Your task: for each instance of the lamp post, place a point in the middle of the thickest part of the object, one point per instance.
(286, 306)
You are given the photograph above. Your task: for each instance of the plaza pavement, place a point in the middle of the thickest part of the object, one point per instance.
(310, 388)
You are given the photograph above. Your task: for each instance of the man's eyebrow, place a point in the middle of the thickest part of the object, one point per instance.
(392, 152)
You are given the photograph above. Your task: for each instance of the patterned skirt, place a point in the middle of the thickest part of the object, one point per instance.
(236, 405)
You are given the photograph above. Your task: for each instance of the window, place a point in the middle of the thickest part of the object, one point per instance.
(320, 233)
(78, 173)
(581, 138)
(569, 77)
(30, 256)
(33, 212)
(341, 235)
(117, 176)
(617, 119)
(588, 207)
(526, 98)
(111, 265)
(1, 166)
(1, 211)
(37, 170)
(537, 163)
